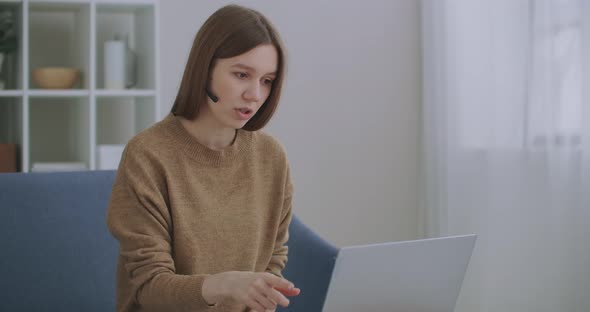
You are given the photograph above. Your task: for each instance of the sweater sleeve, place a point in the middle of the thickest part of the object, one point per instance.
(139, 218)
(279, 258)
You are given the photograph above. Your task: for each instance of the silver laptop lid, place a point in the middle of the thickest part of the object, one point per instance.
(410, 276)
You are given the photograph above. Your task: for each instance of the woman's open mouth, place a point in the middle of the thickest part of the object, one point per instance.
(244, 113)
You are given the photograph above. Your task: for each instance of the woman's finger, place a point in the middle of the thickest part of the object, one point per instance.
(262, 296)
(277, 297)
(254, 305)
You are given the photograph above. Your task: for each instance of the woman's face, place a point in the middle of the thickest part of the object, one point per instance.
(242, 84)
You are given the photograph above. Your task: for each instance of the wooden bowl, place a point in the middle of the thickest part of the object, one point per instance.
(56, 77)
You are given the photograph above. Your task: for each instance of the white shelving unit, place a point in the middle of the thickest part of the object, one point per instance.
(71, 125)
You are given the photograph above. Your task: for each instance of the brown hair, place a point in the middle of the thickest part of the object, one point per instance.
(230, 31)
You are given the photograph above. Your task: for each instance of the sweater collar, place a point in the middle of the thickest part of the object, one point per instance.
(202, 153)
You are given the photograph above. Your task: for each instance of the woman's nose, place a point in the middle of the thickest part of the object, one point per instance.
(253, 93)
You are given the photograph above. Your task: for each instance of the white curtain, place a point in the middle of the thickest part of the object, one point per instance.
(507, 147)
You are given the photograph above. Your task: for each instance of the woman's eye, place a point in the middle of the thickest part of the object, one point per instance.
(241, 75)
(268, 81)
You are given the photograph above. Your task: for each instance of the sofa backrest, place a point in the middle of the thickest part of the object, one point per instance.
(57, 254)
(310, 266)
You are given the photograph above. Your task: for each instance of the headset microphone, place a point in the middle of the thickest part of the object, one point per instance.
(212, 96)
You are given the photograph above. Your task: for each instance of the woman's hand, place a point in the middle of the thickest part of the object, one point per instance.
(259, 291)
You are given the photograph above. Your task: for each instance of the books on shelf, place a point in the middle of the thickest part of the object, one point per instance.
(58, 166)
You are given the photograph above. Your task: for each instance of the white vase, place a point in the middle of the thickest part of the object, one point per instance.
(114, 64)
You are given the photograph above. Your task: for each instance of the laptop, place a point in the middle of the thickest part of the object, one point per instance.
(410, 276)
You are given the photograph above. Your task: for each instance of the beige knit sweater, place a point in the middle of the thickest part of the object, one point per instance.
(181, 211)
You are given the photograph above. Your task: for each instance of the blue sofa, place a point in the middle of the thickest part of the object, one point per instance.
(57, 253)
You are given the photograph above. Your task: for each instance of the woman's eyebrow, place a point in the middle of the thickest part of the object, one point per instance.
(252, 69)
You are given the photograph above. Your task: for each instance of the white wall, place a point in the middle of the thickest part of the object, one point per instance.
(350, 113)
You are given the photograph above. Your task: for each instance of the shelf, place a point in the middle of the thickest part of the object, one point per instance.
(58, 93)
(118, 119)
(59, 36)
(136, 22)
(125, 93)
(59, 130)
(11, 93)
(124, 6)
(87, 123)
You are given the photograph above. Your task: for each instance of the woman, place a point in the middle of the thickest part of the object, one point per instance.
(202, 201)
